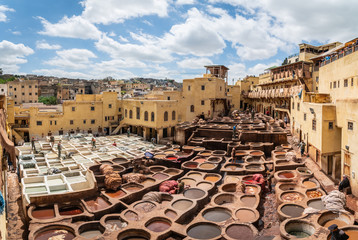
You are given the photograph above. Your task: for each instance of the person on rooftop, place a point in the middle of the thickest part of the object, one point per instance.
(344, 183)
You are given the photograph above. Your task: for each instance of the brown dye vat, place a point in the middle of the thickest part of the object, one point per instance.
(70, 210)
(229, 187)
(160, 156)
(144, 207)
(256, 153)
(171, 214)
(279, 152)
(281, 157)
(196, 176)
(132, 216)
(204, 185)
(240, 232)
(285, 187)
(251, 190)
(191, 165)
(314, 194)
(316, 204)
(194, 193)
(158, 226)
(200, 160)
(177, 149)
(182, 204)
(212, 178)
(254, 166)
(248, 201)
(205, 154)
(309, 184)
(116, 194)
(132, 188)
(214, 159)
(286, 175)
(339, 223)
(160, 176)
(43, 213)
(207, 166)
(292, 210)
(353, 234)
(170, 152)
(292, 197)
(171, 171)
(204, 231)
(233, 167)
(148, 181)
(156, 169)
(55, 234)
(245, 215)
(97, 204)
(217, 215)
(188, 181)
(91, 234)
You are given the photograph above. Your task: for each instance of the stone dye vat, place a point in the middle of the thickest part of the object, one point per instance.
(328, 218)
(203, 231)
(194, 193)
(158, 224)
(241, 232)
(296, 228)
(216, 214)
(55, 231)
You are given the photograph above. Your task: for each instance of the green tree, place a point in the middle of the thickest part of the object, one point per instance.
(284, 62)
(48, 100)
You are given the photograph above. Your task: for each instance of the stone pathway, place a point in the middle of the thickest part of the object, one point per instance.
(270, 223)
(16, 227)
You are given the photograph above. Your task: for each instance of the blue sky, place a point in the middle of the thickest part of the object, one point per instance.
(94, 39)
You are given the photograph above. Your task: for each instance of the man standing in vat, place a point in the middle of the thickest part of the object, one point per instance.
(234, 131)
(59, 147)
(33, 145)
(336, 233)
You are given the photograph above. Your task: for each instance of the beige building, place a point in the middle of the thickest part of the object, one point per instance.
(23, 91)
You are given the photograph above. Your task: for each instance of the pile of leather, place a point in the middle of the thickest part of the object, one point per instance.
(112, 179)
(133, 178)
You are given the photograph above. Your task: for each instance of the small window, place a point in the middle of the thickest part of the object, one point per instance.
(119, 109)
(105, 118)
(350, 125)
(36, 93)
(202, 102)
(173, 115)
(330, 85)
(130, 114)
(330, 125)
(145, 116)
(50, 122)
(334, 84)
(22, 86)
(338, 84)
(189, 88)
(168, 98)
(10, 87)
(71, 122)
(109, 105)
(314, 124)
(352, 82)
(221, 88)
(30, 94)
(15, 96)
(298, 106)
(293, 105)
(192, 108)
(138, 112)
(73, 109)
(84, 121)
(152, 116)
(165, 116)
(35, 86)
(93, 121)
(30, 86)
(39, 123)
(55, 122)
(125, 112)
(14, 89)
(203, 87)
(23, 94)
(92, 108)
(304, 117)
(345, 82)
(317, 79)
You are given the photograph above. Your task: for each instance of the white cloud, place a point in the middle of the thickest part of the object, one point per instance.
(3, 10)
(16, 33)
(112, 34)
(239, 70)
(195, 36)
(116, 11)
(13, 54)
(194, 63)
(62, 73)
(185, 2)
(72, 58)
(44, 45)
(74, 27)
(123, 39)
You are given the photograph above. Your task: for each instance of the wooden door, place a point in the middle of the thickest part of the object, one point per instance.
(347, 164)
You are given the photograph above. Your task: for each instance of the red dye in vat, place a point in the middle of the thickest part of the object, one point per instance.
(97, 204)
(172, 158)
(286, 175)
(117, 194)
(43, 213)
(66, 211)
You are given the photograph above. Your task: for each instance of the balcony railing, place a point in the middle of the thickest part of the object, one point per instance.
(21, 125)
(276, 93)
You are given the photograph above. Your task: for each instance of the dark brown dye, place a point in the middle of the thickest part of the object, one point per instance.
(191, 165)
(292, 210)
(158, 226)
(97, 204)
(116, 194)
(204, 231)
(170, 214)
(194, 193)
(66, 211)
(160, 176)
(240, 232)
(132, 188)
(43, 213)
(248, 201)
(286, 175)
(55, 234)
(156, 169)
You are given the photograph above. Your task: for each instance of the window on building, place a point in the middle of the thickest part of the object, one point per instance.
(221, 88)
(352, 82)
(36, 93)
(165, 116)
(35, 86)
(23, 94)
(71, 122)
(10, 87)
(30, 86)
(334, 84)
(105, 118)
(188, 87)
(168, 98)
(202, 102)
(39, 123)
(55, 122)
(84, 121)
(330, 125)
(338, 83)
(330, 85)
(50, 122)
(130, 114)
(15, 96)
(345, 82)
(93, 121)
(293, 105)
(314, 124)
(30, 94)
(30, 101)
(304, 117)
(15, 102)
(192, 108)
(152, 116)
(22, 86)
(138, 113)
(317, 79)
(145, 116)
(109, 105)
(119, 109)
(14, 89)
(298, 106)
(73, 109)
(173, 115)
(350, 125)
(92, 108)
(203, 87)
(125, 112)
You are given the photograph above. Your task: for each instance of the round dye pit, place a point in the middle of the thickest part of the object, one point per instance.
(299, 229)
(55, 232)
(131, 216)
(240, 232)
(256, 167)
(160, 176)
(292, 197)
(91, 234)
(251, 190)
(160, 156)
(182, 204)
(292, 210)
(70, 210)
(171, 171)
(194, 193)
(189, 181)
(353, 234)
(171, 158)
(148, 181)
(200, 160)
(205, 153)
(191, 165)
(116, 194)
(115, 223)
(316, 204)
(97, 204)
(224, 199)
(229, 187)
(245, 215)
(286, 187)
(248, 201)
(156, 169)
(204, 185)
(132, 187)
(43, 213)
(214, 159)
(144, 207)
(286, 175)
(231, 179)
(328, 218)
(171, 214)
(170, 152)
(279, 152)
(233, 167)
(314, 194)
(212, 178)
(257, 153)
(309, 184)
(217, 214)
(204, 231)
(120, 160)
(158, 225)
(196, 176)
(207, 166)
(280, 157)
